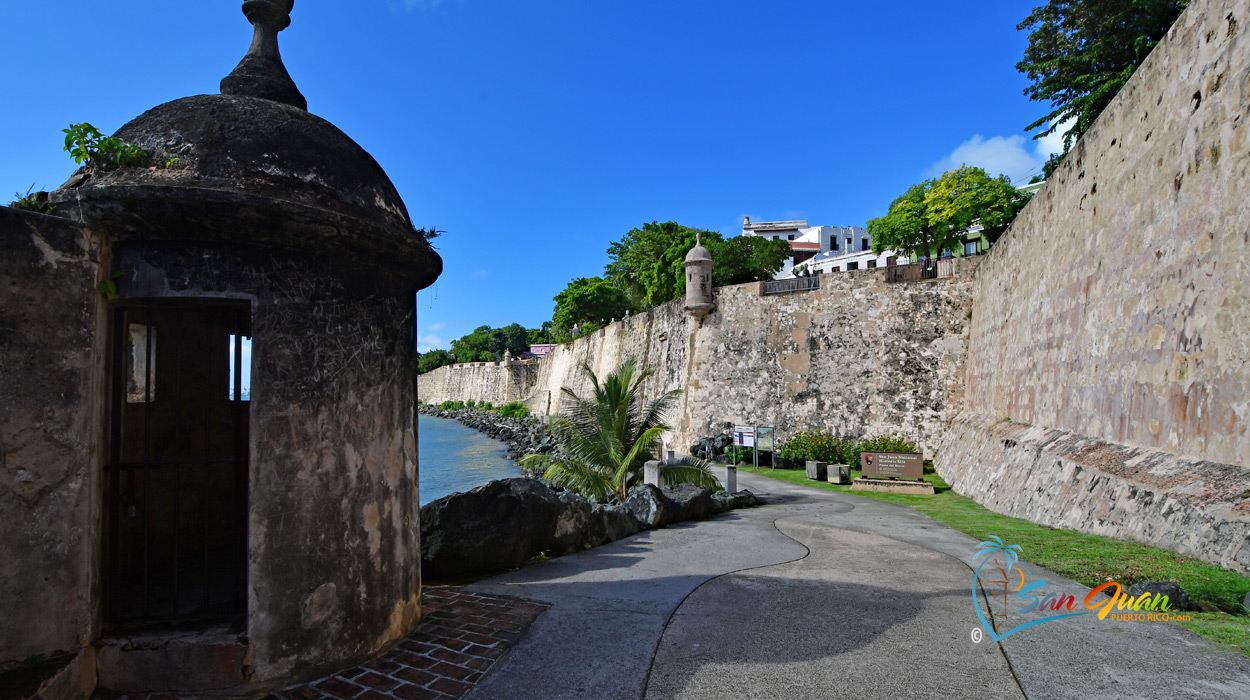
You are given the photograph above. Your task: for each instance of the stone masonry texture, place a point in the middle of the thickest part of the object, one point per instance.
(51, 332)
(1111, 317)
(1114, 305)
(858, 356)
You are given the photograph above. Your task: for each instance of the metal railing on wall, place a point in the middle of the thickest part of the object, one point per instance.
(794, 284)
(914, 273)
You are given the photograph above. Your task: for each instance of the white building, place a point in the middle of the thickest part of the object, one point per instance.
(844, 261)
(821, 248)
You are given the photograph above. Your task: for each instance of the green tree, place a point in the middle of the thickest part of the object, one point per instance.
(606, 439)
(1081, 52)
(540, 335)
(647, 262)
(515, 339)
(967, 196)
(745, 259)
(478, 346)
(933, 216)
(588, 302)
(484, 344)
(432, 360)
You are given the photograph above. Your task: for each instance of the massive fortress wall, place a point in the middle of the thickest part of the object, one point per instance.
(1112, 316)
(478, 381)
(857, 355)
(1108, 356)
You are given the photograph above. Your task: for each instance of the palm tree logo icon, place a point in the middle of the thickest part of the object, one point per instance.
(991, 550)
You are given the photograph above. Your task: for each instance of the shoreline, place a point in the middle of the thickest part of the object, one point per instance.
(521, 436)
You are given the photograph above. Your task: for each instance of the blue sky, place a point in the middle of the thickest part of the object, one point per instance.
(535, 133)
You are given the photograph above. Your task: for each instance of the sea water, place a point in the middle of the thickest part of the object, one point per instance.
(455, 458)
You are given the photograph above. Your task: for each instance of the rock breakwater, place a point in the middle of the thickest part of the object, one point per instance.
(521, 435)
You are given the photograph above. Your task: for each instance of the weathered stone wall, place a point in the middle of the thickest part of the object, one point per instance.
(1113, 306)
(51, 341)
(858, 356)
(1062, 479)
(1111, 316)
(333, 553)
(479, 381)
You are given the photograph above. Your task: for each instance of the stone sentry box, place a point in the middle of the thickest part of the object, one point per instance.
(276, 219)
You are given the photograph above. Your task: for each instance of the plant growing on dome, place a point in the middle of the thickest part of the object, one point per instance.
(32, 201)
(87, 146)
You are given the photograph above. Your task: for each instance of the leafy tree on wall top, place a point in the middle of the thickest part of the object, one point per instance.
(745, 259)
(647, 262)
(588, 302)
(485, 344)
(540, 335)
(1081, 52)
(933, 216)
(432, 360)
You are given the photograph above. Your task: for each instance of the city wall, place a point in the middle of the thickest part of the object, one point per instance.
(1107, 381)
(857, 356)
(1106, 363)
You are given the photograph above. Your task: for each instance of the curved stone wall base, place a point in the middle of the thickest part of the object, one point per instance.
(1061, 479)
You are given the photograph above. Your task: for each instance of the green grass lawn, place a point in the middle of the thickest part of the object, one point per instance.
(1087, 559)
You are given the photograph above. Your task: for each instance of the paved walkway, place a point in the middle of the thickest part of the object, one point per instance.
(819, 595)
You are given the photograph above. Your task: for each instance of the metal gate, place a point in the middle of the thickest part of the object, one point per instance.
(176, 480)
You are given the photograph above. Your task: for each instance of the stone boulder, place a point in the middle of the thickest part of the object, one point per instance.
(723, 501)
(650, 507)
(1178, 599)
(693, 502)
(618, 522)
(491, 528)
(710, 448)
(578, 526)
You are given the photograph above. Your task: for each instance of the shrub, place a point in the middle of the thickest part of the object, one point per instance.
(879, 443)
(516, 409)
(451, 405)
(470, 403)
(824, 446)
(809, 445)
(85, 144)
(485, 405)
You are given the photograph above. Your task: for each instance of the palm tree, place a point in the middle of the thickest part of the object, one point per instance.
(605, 439)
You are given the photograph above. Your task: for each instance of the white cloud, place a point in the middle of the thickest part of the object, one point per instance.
(1018, 157)
(436, 326)
(480, 273)
(426, 343)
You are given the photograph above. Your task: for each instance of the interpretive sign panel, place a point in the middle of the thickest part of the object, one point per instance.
(764, 438)
(893, 465)
(744, 435)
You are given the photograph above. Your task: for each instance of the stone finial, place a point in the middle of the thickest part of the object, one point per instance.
(261, 72)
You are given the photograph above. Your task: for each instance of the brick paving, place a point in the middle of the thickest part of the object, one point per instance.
(460, 636)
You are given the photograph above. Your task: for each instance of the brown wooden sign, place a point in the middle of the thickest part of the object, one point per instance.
(893, 465)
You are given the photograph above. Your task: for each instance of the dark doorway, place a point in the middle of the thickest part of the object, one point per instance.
(176, 485)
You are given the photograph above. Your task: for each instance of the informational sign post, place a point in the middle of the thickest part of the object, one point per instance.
(758, 437)
(764, 443)
(892, 465)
